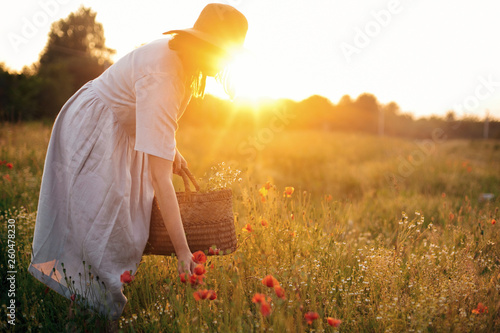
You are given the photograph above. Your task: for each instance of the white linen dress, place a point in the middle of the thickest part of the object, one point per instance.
(96, 194)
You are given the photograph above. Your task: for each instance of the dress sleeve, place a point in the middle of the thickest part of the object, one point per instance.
(158, 99)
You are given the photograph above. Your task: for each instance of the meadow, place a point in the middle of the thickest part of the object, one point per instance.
(380, 233)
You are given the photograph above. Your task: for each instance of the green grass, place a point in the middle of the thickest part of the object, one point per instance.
(377, 234)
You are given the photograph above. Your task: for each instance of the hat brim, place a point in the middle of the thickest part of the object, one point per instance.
(205, 37)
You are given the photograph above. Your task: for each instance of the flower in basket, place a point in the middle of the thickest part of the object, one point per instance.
(219, 177)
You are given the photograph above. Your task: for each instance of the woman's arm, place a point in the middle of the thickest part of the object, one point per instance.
(161, 171)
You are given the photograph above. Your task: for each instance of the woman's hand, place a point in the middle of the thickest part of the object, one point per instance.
(161, 171)
(179, 162)
(185, 263)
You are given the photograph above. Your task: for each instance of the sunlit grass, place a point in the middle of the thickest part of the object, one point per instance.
(417, 253)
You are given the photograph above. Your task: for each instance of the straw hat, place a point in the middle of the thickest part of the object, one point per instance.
(220, 25)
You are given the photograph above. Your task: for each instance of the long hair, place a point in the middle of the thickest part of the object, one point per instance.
(191, 45)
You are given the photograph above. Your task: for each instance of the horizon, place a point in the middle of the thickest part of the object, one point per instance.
(300, 50)
(243, 101)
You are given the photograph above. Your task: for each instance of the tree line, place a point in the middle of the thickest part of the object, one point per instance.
(363, 114)
(76, 53)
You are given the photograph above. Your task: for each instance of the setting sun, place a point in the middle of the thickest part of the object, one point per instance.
(252, 79)
(245, 76)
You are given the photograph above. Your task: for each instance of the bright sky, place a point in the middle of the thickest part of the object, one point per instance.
(428, 56)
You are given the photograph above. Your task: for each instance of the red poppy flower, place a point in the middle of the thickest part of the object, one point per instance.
(73, 297)
(200, 294)
(212, 295)
(493, 221)
(280, 292)
(200, 278)
(204, 294)
(288, 191)
(248, 228)
(199, 257)
(7, 178)
(196, 279)
(127, 277)
(311, 316)
(333, 322)
(268, 185)
(184, 277)
(481, 308)
(265, 309)
(270, 281)
(9, 165)
(213, 251)
(264, 223)
(199, 269)
(329, 198)
(258, 298)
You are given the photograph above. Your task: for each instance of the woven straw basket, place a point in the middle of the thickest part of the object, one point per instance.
(207, 219)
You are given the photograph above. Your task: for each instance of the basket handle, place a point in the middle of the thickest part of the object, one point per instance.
(186, 177)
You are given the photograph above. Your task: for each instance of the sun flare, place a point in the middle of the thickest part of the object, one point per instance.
(246, 76)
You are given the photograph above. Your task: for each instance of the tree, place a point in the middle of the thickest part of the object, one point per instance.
(366, 110)
(367, 103)
(75, 53)
(18, 95)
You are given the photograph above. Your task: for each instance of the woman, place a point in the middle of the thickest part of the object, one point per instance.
(111, 150)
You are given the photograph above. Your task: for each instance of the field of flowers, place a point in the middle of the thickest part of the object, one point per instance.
(336, 232)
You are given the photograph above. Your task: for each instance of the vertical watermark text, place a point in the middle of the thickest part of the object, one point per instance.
(11, 271)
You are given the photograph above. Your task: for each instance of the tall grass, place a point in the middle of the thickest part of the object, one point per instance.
(356, 240)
